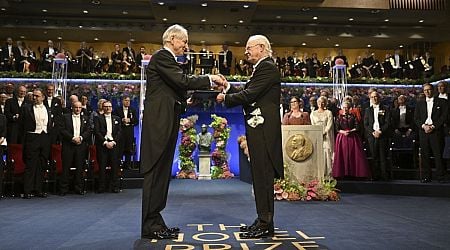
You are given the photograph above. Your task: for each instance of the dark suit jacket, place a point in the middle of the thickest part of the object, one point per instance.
(439, 113)
(395, 116)
(45, 54)
(229, 57)
(127, 130)
(165, 98)
(100, 129)
(12, 108)
(263, 91)
(27, 119)
(15, 52)
(2, 126)
(67, 129)
(384, 120)
(131, 53)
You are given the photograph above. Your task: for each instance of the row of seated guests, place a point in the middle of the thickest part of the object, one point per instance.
(21, 58)
(379, 125)
(394, 66)
(38, 124)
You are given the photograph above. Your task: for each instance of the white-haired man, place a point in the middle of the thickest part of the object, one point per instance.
(260, 99)
(165, 101)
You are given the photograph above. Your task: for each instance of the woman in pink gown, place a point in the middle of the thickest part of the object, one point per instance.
(349, 157)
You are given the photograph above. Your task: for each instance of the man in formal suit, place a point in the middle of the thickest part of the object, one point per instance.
(10, 55)
(86, 109)
(430, 116)
(165, 101)
(129, 119)
(36, 121)
(75, 132)
(2, 148)
(130, 52)
(47, 56)
(225, 60)
(12, 113)
(402, 123)
(260, 99)
(398, 63)
(107, 134)
(377, 127)
(3, 98)
(55, 106)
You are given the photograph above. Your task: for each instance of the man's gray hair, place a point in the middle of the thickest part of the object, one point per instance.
(264, 41)
(175, 30)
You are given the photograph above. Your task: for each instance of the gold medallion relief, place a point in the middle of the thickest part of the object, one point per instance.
(298, 147)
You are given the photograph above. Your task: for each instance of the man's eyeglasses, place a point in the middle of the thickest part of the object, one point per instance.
(251, 46)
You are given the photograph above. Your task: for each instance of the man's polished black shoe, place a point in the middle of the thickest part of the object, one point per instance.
(173, 230)
(248, 228)
(258, 232)
(161, 235)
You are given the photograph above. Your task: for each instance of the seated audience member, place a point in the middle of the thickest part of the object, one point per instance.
(295, 116)
(349, 157)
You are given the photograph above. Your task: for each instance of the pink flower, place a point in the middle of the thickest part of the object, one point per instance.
(285, 195)
(278, 197)
(308, 198)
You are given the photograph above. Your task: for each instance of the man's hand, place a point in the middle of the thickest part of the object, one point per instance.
(220, 98)
(219, 80)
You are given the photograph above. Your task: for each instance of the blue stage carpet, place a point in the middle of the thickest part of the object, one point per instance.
(112, 221)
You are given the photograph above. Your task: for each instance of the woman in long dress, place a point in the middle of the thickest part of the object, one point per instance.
(296, 115)
(349, 157)
(324, 117)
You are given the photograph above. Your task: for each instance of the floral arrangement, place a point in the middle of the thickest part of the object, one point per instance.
(220, 168)
(324, 190)
(187, 147)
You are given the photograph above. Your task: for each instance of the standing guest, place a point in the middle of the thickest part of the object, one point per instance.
(397, 63)
(260, 99)
(376, 126)
(36, 121)
(296, 115)
(403, 124)
(10, 55)
(140, 57)
(3, 98)
(107, 134)
(75, 131)
(2, 143)
(312, 103)
(324, 117)
(430, 115)
(130, 52)
(55, 106)
(93, 116)
(116, 58)
(349, 157)
(225, 60)
(12, 113)
(129, 118)
(86, 108)
(165, 101)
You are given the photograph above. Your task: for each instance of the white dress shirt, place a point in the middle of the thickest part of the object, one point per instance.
(49, 101)
(402, 123)
(443, 96)
(108, 135)
(20, 101)
(376, 124)
(76, 121)
(429, 101)
(41, 117)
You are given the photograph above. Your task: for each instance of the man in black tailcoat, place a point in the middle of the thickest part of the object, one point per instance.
(75, 133)
(430, 116)
(225, 60)
(165, 101)
(36, 122)
(2, 140)
(129, 119)
(12, 113)
(55, 106)
(260, 99)
(377, 128)
(107, 135)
